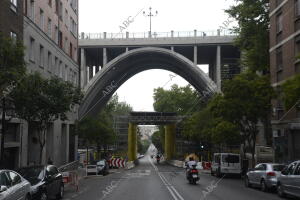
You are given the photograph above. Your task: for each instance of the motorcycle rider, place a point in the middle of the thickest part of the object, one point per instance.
(189, 165)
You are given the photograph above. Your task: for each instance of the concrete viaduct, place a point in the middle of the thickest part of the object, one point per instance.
(109, 60)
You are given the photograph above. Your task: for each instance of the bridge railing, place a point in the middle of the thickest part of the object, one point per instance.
(153, 35)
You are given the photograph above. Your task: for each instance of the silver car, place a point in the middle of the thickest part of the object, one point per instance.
(264, 175)
(13, 186)
(289, 180)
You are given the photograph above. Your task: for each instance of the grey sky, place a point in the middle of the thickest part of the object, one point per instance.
(97, 16)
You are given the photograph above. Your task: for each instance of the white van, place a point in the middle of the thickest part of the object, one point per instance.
(226, 163)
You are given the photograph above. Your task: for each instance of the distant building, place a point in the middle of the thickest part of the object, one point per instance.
(284, 64)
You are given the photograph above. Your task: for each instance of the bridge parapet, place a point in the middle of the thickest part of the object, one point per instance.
(144, 35)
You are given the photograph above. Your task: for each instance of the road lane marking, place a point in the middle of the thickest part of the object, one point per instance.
(175, 194)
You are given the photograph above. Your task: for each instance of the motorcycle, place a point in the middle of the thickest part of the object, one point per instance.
(193, 175)
(157, 160)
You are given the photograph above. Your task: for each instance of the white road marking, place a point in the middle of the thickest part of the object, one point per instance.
(175, 194)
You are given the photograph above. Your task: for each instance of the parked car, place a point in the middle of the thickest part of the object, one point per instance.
(13, 186)
(226, 163)
(46, 181)
(289, 180)
(264, 175)
(100, 167)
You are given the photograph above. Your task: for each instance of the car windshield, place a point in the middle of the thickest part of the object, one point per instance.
(101, 163)
(278, 167)
(231, 158)
(32, 174)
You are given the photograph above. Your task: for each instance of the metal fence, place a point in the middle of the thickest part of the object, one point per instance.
(153, 35)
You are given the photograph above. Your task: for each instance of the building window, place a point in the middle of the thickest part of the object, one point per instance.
(41, 56)
(279, 23)
(56, 6)
(66, 44)
(60, 69)
(71, 50)
(279, 59)
(56, 66)
(31, 7)
(49, 27)
(60, 39)
(31, 49)
(66, 18)
(14, 5)
(49, 64)
(74, 5)
(297, 46)
(297, 8)
(66, 73)
(13, 36)
(60, 10)
(56, 35)
(278, 2)
(41, 19)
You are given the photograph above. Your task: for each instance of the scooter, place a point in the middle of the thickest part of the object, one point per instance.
(157, 160)
(193, 175)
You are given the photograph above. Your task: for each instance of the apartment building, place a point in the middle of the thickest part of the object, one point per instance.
(51, 42)
(11, 25)
(284, 64)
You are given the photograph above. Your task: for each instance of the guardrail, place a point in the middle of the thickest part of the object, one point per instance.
(153, 35)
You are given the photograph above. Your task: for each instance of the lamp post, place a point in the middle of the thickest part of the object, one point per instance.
(150, 15)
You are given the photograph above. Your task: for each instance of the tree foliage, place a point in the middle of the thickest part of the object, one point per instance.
(12, 64)
(181, 100)
(246, 100)
(291, 92)
(41, 101)
(253, 32)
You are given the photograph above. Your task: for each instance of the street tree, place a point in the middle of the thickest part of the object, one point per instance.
(182, 100)
(41, 101)
(291, 93)
(252, 32)
(246, 100)
(12, 64)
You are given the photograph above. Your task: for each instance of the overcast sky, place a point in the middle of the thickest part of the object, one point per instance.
(96, 16)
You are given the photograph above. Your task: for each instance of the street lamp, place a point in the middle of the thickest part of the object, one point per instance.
(150, 15)
(6, 109)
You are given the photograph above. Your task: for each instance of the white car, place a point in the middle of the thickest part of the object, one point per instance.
(13, 186)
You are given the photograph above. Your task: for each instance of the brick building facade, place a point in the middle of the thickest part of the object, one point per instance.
(284, 64)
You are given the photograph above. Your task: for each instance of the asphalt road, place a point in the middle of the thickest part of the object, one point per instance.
(149, 181)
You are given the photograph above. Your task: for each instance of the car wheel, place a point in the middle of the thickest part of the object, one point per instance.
(60, 194)
(219, 173)
(247, 183)
(44, 196)
(280, 190)
(263, 186)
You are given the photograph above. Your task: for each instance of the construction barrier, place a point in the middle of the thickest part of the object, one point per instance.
(70, 174)
(117, 162)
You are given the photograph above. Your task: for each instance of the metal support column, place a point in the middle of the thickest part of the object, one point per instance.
(170, 132)
(132, 142)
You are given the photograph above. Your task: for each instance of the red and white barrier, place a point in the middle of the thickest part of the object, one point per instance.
(117, 162)
(71, 178)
